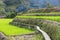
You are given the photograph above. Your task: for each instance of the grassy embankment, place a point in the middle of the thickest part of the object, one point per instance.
(41, 14)
(53, 18)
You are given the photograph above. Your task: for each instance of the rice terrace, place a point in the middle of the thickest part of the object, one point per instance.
(10, 29)
(29, 20)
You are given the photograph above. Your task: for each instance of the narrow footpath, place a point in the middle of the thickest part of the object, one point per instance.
(46, 36)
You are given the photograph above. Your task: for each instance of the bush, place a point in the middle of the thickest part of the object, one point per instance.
(10, 14)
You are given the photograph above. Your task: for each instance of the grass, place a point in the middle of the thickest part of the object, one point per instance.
(53, 18)
(41, 14)
(10, 29)
(44, 13)
(52, 30)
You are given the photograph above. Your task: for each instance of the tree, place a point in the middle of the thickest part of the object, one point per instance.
(10, 14)
(49, 5)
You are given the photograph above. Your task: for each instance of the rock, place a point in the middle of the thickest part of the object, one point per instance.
(2, 36)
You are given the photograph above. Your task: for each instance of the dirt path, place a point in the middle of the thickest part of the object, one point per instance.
(46, 36)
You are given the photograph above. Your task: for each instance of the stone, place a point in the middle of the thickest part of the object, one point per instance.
(2, 36)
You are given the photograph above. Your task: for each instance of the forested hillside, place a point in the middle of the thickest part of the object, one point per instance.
(26, 4)
(10, 8)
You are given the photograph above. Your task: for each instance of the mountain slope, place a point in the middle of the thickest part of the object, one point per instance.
(20, 4)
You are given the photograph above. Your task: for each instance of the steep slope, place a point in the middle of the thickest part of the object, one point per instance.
(2, 6)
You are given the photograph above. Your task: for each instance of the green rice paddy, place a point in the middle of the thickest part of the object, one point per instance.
(8, 29)
(53, 18)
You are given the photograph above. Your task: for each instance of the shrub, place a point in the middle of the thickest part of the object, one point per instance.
(10, 14)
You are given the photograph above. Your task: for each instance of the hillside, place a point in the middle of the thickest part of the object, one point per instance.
(19, 5)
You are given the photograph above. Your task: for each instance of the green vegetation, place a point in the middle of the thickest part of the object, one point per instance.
(42, 14)
(10, 8)
(54, 18)
(52, 30)
(10, 29)
(10, 14)
(38, 37)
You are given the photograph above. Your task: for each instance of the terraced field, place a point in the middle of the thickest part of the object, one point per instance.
(51, 27)
(8, 29)
(53, 18)
(41, 14)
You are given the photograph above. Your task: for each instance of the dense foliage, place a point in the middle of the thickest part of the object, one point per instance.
(10, 8)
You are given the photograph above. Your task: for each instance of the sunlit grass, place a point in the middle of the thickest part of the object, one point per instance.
(53, 18)
(8, 29)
